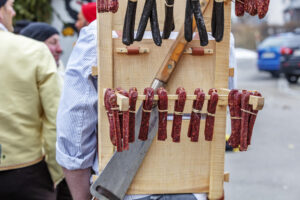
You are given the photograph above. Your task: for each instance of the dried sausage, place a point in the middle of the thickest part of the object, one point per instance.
(133, 95)
(163, 113)
(124, 122)
(112, 99)
(194, 125)
(217, 21)
(147, 107)
(169, 19)
(144, 20)
(235, 112)
(155, 25)
(178, 112)
(239, 8)
(210, 118)
(252, 120)
(107, 94)
(245, 108)
(262, 8)
(128, 28)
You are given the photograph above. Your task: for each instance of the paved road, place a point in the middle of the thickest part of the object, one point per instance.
(270, 169)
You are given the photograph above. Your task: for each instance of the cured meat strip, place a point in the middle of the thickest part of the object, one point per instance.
(178, 112)
(188, 21)
(112, 99)
(124, 122)
(200, 22)
(128, 29)
(239, 8)
(252, 120)
(169, 25)
(113, 6)
(147, 107)
(194, 125)
(234, 101)
(163, 113)
(252, 7)
(155, 25)
(107, 94)
(101, 6)
(133, 95)
(217, 21)
(245, 120)
(262, 8)
(210, 118)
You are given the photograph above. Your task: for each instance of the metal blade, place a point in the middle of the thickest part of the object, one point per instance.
(119, 172)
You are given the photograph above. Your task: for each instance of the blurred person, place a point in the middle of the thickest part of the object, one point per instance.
(7, 13)
(50, 36)
(20, 24)
(87, 14)
(29, 97)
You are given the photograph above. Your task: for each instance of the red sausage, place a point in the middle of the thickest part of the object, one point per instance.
(163, 113)
(178, 112)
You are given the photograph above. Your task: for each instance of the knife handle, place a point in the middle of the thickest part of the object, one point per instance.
(173, 56)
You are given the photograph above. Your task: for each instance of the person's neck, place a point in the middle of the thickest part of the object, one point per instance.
(2, 27)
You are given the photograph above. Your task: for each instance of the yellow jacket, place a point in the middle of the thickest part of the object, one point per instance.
(29, 96)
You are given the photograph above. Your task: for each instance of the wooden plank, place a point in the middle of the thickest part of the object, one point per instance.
(105, 80)
(220, 81)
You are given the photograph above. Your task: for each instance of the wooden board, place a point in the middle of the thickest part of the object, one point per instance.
(168, 167)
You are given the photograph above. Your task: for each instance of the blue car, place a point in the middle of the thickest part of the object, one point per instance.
(274, 50)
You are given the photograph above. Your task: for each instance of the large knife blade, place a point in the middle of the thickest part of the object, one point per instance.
(116, 177)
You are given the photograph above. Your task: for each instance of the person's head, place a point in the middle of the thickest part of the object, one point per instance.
(86, 15)
(7, 13)
(45, 33)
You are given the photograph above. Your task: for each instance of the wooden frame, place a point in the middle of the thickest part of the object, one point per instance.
(168, 167)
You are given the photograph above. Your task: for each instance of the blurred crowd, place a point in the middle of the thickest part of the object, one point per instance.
(31, 80)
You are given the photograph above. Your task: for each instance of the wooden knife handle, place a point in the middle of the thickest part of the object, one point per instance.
(173, 56)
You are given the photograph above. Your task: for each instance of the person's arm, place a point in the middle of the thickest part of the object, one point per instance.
(79, 182)
(49, 92)
(76, 145)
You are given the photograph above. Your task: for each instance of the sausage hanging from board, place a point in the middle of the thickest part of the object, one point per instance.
(194, 126)
(147, 107)
(211, 111)
(133, 95)
(178, 112)
(169, 25)
(122, 122)
(163, 113)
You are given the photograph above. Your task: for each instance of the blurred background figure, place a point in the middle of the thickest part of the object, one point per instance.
(45, 33)
(20, 24)
(6, 15)
(86, 15)
(29, 97)
(50, 36)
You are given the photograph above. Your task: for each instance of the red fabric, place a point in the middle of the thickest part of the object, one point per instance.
(89, 11)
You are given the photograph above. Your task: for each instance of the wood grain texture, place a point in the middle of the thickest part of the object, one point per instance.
(220, 81)
(105, 80)
(169, 167)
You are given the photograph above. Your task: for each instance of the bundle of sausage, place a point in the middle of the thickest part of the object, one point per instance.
(253, 7)
(121, 123)
(107, 6)
(243, 117)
